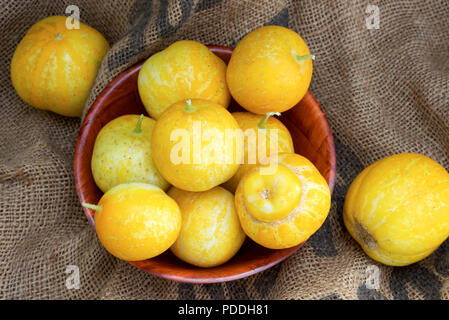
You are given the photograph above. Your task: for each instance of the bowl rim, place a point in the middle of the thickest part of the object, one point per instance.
(77, 167)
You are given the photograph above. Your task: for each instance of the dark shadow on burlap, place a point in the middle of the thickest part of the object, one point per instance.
(384, 91)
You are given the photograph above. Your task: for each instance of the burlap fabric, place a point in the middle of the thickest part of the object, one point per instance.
(384, 91)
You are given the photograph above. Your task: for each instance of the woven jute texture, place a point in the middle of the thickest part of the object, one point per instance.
(383, 90)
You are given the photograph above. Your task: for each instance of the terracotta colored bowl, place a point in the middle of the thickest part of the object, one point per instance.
(311, 135)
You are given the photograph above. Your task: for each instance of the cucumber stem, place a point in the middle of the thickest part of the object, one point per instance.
(189, 108)
(304, 57)
(263, 123)
(92, 206)
(138, 128)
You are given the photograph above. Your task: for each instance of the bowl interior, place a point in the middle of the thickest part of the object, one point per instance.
(311, 136)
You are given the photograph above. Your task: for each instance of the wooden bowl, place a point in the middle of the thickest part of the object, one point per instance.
(312, 138)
